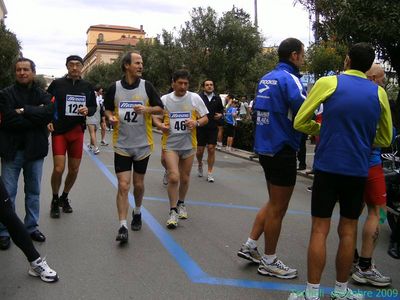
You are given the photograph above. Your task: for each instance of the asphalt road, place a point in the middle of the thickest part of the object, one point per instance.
(196, 261)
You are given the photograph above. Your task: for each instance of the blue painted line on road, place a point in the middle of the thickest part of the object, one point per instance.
(188, 265)
(224, 205)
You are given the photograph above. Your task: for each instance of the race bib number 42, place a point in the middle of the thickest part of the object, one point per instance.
(73, 103)
(178, 121)
(127, 114)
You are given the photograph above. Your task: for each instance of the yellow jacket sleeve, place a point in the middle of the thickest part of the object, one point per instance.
(321, 90)
(384, 130)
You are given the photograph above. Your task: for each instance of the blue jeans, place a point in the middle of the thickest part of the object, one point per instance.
(32, 171)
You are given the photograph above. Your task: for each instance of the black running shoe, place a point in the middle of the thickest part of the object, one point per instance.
(66, 207)
(54, 209)
(136, 223)
(122, 236)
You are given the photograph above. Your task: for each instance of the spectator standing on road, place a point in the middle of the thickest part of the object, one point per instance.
(301, 154)
(207, 135)
(129, 104)
(375, 198)
(37, 265)
(243, 108)
(356, 117)
(230, 121)
(280, 94)
(25, 111)
(220, 124)
(184, 111)
(92, 124)
(103, 123)
(74, 101)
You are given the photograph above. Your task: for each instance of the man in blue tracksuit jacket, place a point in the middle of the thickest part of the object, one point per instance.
(280, 94)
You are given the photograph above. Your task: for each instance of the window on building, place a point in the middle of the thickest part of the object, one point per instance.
(100, 38)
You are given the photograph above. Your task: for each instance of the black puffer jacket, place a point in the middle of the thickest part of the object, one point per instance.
(26, 131)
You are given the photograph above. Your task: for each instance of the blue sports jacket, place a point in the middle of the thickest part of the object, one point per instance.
(280, 94)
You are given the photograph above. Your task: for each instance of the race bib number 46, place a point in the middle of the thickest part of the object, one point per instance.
(73, 103)
(127, 114)
(178, 121)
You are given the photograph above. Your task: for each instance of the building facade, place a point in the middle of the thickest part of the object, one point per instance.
(3, 10)
(105, 43)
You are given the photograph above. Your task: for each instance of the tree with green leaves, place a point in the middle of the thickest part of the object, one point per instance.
(351, 21)
(9, 52)
(221, 48)
(324, 57)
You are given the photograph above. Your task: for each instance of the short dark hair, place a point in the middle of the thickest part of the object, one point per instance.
(97, 87)
(204, 82)
(361, 55)
(230, 96)
(127, 59)
(181, 74)
(287, 46)
(21, 59)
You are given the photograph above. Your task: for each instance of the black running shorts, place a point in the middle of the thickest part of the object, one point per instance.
(330, 188)
(280, 169)
(124, 163)
(206, 136)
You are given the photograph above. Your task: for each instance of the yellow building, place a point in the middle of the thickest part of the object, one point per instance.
(105, 42)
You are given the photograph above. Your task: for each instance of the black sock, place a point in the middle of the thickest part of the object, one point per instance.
(174, 208)
(64, 196)
(180, 202)
(55, 197)
(364, 263)
(356, 256)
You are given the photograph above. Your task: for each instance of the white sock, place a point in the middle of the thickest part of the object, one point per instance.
(341, 287)
(123, 223)
(269, 259)
(137, 210)
(251, 243)
(312, 291)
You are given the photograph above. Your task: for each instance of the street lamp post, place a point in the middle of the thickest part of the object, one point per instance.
(255, 13)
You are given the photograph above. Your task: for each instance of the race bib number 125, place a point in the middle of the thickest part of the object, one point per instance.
(73, 103)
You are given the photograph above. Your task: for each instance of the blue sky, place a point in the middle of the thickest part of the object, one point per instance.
(50, 30)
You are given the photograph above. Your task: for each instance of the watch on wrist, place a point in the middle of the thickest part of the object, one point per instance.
(21, 110)
(197, 124)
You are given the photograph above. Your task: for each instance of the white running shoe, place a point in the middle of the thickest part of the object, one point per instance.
(90, 147)
(172, 221)
(200, 171)
(249, 253)
(210, 178)
(103, 143)
(349, 295)
(182, 211)
(276, 269)
(96, 150)
(41, 269)
(371, 276)
(165, 178)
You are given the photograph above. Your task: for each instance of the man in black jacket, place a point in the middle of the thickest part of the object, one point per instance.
(25, 111)
(207, 135)
(74, 99)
